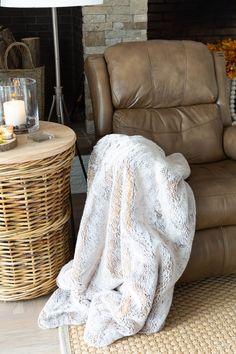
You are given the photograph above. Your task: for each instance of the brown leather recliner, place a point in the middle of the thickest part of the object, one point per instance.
(175, 93)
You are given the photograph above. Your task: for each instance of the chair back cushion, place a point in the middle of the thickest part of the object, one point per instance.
(167, 91)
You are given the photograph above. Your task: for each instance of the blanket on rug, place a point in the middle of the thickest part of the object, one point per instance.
(133, 244)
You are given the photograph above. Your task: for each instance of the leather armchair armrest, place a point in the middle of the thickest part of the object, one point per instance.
(100, 91)
(229, 142)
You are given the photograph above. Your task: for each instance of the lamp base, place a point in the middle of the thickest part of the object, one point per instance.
(58, 102)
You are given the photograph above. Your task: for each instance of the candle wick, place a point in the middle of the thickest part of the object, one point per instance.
(13, 96)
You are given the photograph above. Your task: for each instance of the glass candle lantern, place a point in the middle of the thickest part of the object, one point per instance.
(18, 104)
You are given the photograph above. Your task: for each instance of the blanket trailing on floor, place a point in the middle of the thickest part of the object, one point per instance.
(133, 244)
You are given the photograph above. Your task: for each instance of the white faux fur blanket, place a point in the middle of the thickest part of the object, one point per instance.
(133, 244)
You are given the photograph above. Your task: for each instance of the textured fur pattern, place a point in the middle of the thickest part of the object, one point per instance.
(133, 244)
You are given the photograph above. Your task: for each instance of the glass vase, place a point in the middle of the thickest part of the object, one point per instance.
(18, 104)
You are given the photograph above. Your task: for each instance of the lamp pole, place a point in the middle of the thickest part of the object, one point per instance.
(58, 99)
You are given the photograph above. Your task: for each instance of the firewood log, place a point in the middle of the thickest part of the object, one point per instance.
(34, 46)
(14, 57)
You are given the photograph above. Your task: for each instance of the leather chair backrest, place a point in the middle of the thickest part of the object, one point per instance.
(171, 92)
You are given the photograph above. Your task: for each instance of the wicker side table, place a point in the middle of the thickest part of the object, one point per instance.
(35, 213)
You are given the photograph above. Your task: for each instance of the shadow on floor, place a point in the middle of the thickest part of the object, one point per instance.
(78, 202)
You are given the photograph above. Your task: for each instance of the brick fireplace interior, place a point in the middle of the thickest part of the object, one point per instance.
(199, 20)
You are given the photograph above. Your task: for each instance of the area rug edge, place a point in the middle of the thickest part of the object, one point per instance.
(64, 340)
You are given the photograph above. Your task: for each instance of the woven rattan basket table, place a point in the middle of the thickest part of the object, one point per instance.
(35, 213)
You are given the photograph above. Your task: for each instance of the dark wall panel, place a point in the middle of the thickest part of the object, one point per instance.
(201, 20)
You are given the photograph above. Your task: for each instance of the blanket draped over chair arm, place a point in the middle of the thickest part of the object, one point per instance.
(229, 141)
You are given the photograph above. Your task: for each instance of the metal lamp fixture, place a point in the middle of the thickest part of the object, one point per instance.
(58, 99)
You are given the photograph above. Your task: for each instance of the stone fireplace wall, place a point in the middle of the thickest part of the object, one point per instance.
(113, 22)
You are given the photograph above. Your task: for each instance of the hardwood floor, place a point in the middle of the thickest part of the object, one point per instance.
(19, 331)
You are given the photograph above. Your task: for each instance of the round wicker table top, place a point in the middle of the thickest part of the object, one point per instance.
(30, 150)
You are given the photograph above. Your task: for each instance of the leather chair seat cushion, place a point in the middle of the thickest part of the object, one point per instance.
(214, 187)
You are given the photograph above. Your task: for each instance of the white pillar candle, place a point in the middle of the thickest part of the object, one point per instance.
(14, 112)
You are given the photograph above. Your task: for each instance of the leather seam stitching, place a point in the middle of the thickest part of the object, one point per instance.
(186, 73)
(151, 76)
(224, 248)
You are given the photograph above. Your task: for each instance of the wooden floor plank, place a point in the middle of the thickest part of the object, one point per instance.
(19, 331)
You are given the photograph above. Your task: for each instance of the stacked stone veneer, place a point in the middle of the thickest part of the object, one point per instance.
(104, 25)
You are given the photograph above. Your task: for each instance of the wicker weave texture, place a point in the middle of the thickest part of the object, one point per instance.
(202, 320)
(35, 218)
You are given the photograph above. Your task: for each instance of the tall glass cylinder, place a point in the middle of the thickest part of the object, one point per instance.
(18, 104)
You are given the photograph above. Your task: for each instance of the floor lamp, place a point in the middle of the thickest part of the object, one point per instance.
(58, 99)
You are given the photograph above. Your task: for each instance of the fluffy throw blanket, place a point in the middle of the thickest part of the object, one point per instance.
(133, 244)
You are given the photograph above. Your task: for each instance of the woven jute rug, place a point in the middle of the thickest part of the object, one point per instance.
(202, 320)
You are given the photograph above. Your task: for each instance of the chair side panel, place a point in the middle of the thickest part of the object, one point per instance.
(99, 86)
